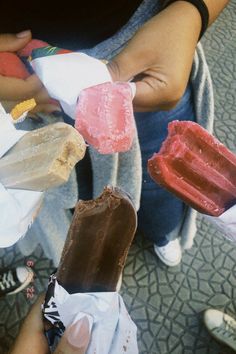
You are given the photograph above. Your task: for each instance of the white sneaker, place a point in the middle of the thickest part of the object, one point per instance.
(221, 326)
(170, 254)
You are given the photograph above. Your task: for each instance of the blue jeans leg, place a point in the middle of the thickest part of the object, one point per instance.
(160, 211)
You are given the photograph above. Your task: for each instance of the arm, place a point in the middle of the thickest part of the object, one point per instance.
(160, 55)
(214, 8)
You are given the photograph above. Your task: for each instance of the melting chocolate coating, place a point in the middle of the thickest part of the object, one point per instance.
(97, 243)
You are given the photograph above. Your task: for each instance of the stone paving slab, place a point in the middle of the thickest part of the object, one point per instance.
(166, 304)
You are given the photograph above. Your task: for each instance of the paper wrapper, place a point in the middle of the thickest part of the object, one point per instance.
(226, 223)
(66, 75)
(18, 208)
(112, 330)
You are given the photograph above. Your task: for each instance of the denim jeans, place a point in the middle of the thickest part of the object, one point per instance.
(160, 211)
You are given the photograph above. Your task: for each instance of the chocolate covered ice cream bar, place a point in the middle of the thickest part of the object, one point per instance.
(97, 243)
(43, 158)
(196, 167)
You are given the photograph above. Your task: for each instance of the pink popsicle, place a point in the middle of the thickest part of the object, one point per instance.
(104, 117)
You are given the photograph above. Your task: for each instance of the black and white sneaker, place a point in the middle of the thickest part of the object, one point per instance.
(13, 280)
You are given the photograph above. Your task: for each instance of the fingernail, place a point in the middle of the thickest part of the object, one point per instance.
(78, 333)
(23, 34)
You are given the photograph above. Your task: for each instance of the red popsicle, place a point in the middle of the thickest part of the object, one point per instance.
(196, 167)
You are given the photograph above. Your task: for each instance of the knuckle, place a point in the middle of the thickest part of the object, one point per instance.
(174, 93)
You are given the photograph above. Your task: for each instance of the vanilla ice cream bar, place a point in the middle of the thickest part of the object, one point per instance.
(43, 158)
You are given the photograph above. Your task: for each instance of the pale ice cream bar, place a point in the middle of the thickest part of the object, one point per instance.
(104, 116)
(97, 243)
(196, 167)
(43, 158)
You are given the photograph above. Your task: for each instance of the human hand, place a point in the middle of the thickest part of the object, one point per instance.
(74, 341)
(159, 57)
(13, 90)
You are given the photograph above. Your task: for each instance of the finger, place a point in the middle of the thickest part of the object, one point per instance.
(75, 339)
(46, 108)
(31, 333)
(45, 104)
(35, 315)
(12, 89)
(14, 42)
(154, 89)
(125, 66)
(150, 95)
(151, 87)
(42, 96)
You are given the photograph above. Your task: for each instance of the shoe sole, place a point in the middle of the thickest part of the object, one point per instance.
(169, 264)
(26, 282)
(222, 341)
(218, 339)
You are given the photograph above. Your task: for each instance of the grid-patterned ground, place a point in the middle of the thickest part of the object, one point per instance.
(167, 303)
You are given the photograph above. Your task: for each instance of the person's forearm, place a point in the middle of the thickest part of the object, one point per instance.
(214, 7)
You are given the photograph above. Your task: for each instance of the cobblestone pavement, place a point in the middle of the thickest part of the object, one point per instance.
(167, 304)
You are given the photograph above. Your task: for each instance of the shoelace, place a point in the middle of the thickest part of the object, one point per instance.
(227, 328)
(6, 280)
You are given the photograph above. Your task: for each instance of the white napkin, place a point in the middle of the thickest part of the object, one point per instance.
(66, 75)
(18, 208)
(112, 329)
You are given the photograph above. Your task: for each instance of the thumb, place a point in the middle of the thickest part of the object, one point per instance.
(151, 85)
(14, 42)
(130, 65)
(123, 67)
(75, 339)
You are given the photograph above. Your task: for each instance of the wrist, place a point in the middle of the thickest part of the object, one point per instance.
(187, 13)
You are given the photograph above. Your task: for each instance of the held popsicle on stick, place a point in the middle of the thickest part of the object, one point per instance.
(104, 116)
(102, 109)
(196, 167)
(97, 243)
(43, 158)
